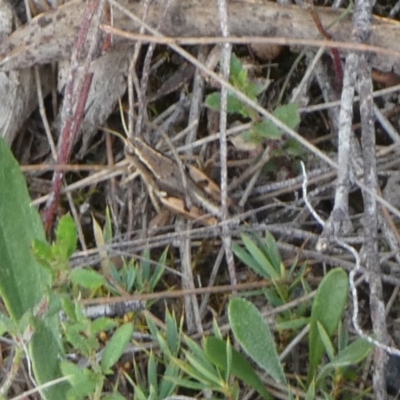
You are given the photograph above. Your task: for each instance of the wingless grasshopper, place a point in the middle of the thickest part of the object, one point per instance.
(186, 194)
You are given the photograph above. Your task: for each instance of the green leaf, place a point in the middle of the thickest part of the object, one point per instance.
(247, 259)
(113, 396)
(288, 114)
(216, 351)
(213, 101)
(352, 354)
(23, 282)
(236, 67)
(254, 335)
(173, 335)
(265, 129)
(262, 260)
(87, 278)
(327, 309)
(83, 381)
(326, 341)
(67, 236)
(293, 324)
(311, 391)
(103, 324)
(167, 386)
(43, 253)
(273, 251)
(116, 346)
(152, 372)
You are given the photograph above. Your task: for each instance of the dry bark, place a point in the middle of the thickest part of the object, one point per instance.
(50, 36)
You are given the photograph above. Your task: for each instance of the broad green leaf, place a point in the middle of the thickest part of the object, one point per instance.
(87, 278)
(327, 309)
(116, 346)
(254, 335)
(23, 282)
(216, 351)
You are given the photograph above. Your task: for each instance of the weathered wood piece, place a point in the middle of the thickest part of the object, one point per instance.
(50, 36)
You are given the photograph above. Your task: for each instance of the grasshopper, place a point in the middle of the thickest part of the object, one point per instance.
(165, 181)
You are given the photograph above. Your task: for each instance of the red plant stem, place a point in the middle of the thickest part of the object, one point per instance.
(337, 64)
(69, 132)
(76, 94)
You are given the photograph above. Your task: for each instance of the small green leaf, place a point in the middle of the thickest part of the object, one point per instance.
(43, 253)
(266, 129)
(213, 101)
(67, 236)
(311, 391)
(327, 309)
(114, 396)
(152, 372)
(254, 335)
(352, 354)
(83, 381)
(288, 114)
(273, 251)
(216, 351)
(262, 260)
(247, 259)
(116, 346)
(103, 324)
(293, 324)
(87, 278)
(326, 341)
(236, 66)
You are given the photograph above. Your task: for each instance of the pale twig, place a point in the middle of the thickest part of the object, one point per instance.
(197, 100)
(225, 64)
